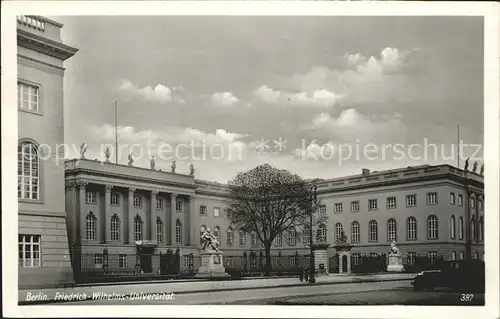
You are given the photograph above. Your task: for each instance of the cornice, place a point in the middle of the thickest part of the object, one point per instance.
(43, 45)
(40, 65)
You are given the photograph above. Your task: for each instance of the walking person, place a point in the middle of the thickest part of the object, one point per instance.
(306, 273)
(301, 274)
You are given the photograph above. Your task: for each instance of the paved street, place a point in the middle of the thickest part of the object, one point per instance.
(260, 296)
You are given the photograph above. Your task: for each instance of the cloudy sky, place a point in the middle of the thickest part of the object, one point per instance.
(212, 90)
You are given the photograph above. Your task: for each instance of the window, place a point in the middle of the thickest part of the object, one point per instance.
(137, 228)
(322, 209)
(242, 238)
(90, 226)
(137, 201)
(460, 200)
(253, 239)
(91, 197)
(481, 228)
(185, 261)
(293, 262)
(338, 232)
(216, 211)
(29, 250)
(431, 198)
(412, 256)
(159, 230)
(452, 198)
(461, 255)
(432, 257)
(391, 230)
(306, 234)
(476, 255)
(203, 210)
(391, 202)
(230, 236)
(229, 262)
(279, 262)
(411, 200)
(356, 259)
(159, 203)
(115, 227)
(452, 227)
(278, 241)
(372, 204)
(473, 228)
(355, 206)
(217, 233)
(122, 261)
(321, 233)
(411, 228)
(373, 231)
(28, 97)
(178, 231)
(432, 227)
(461, 228)
(355, 232)
(178, 205)
(292, 237)
(28, 171)
(98, 261)
(115, 199)
(203, 228)
(338, 208)
(453, 255)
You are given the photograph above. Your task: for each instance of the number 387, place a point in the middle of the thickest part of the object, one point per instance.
(466, 297)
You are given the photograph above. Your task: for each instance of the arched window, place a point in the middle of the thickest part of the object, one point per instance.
(159, 230)
(481, 228)
(178, 231)
(452, 227)
(242, 237)
(90, 226)
(355, 232)
(461, 228)
(432, 227)
(253, 239)
(202, 231)
(292, 237)
(321, 233)
(338, 231)
(230, 236)
(115, 227)
(306, 234)
(373, 231)
(411, 228)
(473, 228)
(278, 240)
(28, 171)
(391, 230)
(217, 233)
(137, 228)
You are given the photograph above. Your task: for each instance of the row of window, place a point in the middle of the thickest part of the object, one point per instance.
(99, 261)
(91, 228)
(203, 211)
(137, 202)
(411, 201)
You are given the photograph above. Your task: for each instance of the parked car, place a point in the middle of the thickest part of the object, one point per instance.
(456, 275)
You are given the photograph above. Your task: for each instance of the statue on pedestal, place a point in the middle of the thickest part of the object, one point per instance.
(481, 172)
(83, 149)
(153, 164)
(212, 264)
(191, 170)
(107, 154)
(466, 164)
(173, 166)
(209, 242)
(474, 168)
(130, 160)
(395, 261)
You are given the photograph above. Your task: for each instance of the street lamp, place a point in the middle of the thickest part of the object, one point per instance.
(313, 198)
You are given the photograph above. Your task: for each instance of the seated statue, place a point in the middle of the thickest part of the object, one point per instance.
(209, 241)
(394, 249)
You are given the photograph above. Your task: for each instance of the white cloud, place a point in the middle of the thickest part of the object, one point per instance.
(267, 94)
(225, 99)
(319, 97)
(316, 151)
(153, 93)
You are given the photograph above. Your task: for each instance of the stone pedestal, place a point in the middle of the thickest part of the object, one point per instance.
(395, 263)
(212, 265)
(320, 258)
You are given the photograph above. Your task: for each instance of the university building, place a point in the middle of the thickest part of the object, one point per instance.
(44, 258)
(429, 211)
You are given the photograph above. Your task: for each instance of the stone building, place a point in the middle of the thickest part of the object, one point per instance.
(43, 244)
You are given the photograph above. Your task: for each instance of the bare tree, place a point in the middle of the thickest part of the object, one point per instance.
(269, 201)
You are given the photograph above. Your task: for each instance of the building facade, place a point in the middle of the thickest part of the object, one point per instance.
(43, 244)
(428, 210)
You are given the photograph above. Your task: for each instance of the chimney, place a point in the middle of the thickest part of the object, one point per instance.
(365, 172)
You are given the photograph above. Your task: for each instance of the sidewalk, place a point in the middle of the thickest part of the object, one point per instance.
(40, 296)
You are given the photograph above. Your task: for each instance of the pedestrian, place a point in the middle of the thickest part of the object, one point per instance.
(301, 274)
(306, 273)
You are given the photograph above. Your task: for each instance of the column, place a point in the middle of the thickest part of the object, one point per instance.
(341, 259)
(173, 213)
(190, 231)
(349, 263)
(152, 219)
(107, 213)
(81, 211)
(129, 220)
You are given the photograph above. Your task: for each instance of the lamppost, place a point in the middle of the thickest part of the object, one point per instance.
(313, 198)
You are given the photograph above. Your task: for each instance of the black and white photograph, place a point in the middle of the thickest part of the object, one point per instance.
(256, 158)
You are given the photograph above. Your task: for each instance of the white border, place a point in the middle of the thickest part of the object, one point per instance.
(490, 11)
